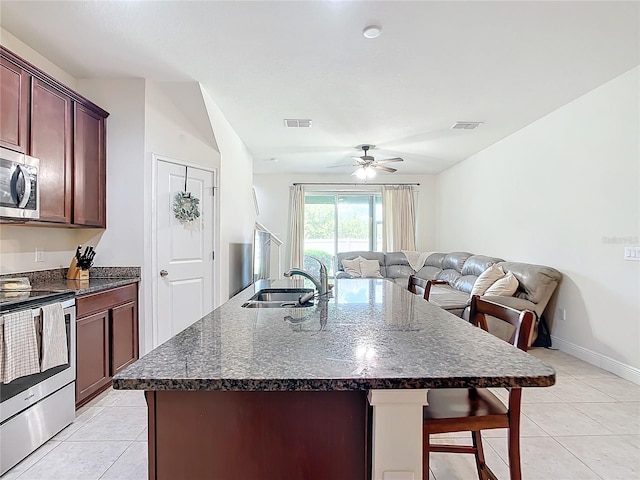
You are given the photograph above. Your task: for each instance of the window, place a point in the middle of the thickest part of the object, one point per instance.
(340, 222)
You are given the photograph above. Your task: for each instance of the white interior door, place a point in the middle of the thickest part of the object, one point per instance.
(184, 251)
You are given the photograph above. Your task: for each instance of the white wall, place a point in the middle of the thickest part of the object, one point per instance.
(170, 134)
(564, 192)
(235, 199)
(24, 51)
(272, 192)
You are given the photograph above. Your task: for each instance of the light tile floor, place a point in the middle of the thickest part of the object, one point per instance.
(587, 426)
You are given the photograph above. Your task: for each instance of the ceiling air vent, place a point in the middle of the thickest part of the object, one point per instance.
(465, 125)
(297, 123)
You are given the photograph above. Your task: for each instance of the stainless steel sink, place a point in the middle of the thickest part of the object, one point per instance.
(278, 298)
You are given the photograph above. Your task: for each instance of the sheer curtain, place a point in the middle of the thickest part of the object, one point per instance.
(296, 227)
(398, 218)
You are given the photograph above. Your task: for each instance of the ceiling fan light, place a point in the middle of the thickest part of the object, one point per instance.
(361, 173)
(369, 172)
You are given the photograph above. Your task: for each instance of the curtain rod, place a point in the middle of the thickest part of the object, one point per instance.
(358, 184)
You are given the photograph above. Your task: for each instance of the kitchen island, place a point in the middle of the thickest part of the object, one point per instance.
(286, 393)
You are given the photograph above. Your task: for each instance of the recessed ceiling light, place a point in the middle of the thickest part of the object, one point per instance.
(372, 31)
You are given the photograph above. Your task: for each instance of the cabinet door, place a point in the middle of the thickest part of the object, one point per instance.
(89, 167)
(124, 336)
(92, 355)
(14, 106)
(51, 136)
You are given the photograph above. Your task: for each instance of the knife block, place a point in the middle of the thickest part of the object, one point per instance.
(75, 272)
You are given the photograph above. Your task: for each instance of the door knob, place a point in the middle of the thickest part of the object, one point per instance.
(163, 273)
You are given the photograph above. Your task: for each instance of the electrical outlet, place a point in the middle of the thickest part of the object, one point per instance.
(561, 313)
(39, 255)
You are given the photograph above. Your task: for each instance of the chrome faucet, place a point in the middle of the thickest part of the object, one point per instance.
(322, 284)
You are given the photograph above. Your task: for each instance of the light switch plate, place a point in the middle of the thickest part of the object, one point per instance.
(632, 253)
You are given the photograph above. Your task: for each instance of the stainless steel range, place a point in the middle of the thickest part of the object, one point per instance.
(36, 407)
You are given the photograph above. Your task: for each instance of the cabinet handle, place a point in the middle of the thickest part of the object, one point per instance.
(163, 273)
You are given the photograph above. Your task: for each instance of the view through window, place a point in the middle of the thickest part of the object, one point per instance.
(340, 222)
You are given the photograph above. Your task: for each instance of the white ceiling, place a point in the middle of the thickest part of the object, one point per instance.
(502, 63)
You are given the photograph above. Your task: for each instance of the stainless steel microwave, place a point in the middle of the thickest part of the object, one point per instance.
(19, 189)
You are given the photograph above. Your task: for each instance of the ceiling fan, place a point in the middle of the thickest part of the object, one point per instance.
(367, 165)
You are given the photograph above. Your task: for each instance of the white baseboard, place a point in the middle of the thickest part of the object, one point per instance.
(614, 366)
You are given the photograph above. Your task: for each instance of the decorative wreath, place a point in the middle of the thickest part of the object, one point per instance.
(185, 207)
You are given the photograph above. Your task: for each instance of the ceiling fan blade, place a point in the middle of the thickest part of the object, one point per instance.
(384, 169)
(343, 165)
(390, 160)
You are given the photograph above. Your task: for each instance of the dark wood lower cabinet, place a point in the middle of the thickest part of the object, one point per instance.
(107, 338)
(92, 374)
(258, 435)
(124, 336)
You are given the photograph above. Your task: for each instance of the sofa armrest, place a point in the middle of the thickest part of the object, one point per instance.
(427, 289)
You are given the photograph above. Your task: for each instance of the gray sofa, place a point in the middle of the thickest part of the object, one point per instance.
(460, 270)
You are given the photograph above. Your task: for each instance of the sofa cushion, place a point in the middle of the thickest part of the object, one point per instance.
(399, 271)
(505, 286)
(452, 265)
(352, 267)
(465, 283)
(435, 260)
(477, 264)
(368, 255)
(449, 275)
(455, 261)
(447, 297)
(486, 279)
(395, 258)
(535, 280)
(369, 268)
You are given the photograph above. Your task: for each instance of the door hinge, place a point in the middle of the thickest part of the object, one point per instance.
(213, 255)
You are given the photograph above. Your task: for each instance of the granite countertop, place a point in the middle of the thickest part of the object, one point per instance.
(55, 282)
(101, 278)
(371, 334)
(83, 287)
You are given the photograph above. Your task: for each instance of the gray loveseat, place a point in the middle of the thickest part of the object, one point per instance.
(460, 270)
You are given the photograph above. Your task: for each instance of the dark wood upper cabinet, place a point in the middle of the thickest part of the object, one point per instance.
(47, 120)
(89, 169)
(14, 106)
(51, 136)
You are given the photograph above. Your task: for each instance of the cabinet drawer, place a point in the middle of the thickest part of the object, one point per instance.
(88, 304)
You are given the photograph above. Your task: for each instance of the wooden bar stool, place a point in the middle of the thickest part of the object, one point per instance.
(417, 285)
(476, 409)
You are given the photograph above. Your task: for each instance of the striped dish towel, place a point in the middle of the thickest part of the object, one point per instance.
(54, 337)
(2, 353)
(20, 346)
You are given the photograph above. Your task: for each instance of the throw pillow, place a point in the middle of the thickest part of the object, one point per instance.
(504, 287)
(370, 268)
(486, 279)
(352, 267)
